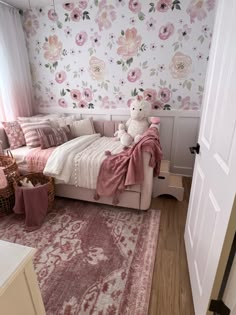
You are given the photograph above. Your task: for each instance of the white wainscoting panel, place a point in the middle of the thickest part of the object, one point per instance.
(178, 131)
(185, 135)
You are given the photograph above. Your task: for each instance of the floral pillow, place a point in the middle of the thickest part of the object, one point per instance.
(15, 134)
(52, 137)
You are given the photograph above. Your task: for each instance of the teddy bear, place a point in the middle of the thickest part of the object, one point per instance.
(140, 110)
(120, 132)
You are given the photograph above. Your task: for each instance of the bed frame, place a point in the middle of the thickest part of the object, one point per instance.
(136, 196)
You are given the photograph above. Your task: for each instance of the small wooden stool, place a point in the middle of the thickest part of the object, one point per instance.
(167, 183)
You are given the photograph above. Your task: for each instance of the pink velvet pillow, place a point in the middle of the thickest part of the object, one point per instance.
(52, 137)
(15, 134)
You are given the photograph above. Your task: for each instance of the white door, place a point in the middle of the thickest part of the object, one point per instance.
(214, 178)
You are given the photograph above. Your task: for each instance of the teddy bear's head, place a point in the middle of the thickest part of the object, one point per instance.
(140, 109)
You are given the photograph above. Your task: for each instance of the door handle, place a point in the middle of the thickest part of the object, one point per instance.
(196, 149)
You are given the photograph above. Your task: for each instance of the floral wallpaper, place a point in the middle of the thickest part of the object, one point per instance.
(102, 54)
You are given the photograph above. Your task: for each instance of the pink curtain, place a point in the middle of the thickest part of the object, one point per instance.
(15, 79)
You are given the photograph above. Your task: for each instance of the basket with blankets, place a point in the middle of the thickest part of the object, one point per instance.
(8, 173)
(34, 197)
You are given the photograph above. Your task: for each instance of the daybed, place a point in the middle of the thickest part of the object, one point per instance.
(136, 196)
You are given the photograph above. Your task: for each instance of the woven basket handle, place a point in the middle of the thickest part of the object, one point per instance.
(9, 153)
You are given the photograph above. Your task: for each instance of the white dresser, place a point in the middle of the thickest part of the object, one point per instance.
(19, 290)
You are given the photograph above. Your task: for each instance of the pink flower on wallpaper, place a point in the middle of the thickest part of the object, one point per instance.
(166, 31)
(87, 94)
(75, 95)
(186, 104)
(106, 103)
(97, 68)
(96, 38)
(164, 95)
(129, 43)
(163, 5)
(68, 6)
(82, 104)
(181, 66)
(150, 95)
(184, 32)
(62, 102)
(151, 24)
(135, 6)
(53, 48)
(197, 9)
(30, 23)
(52, 15)
(75, 15)
(83, 4)
(60, 77)
(157, 105)
(134, 74)
(81, 38)
(106, 14)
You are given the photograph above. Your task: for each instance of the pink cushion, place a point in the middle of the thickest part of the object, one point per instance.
(52, 137)
(106, 128)
(14, 133)
(30, 133)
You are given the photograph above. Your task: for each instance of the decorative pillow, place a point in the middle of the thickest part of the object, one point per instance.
(30, 133)
(52, 137)
(14, 133)
(63, 121)
(82, 127)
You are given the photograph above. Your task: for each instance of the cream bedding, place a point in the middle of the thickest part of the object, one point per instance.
(78, 161)
(60, 164)
(88, 162)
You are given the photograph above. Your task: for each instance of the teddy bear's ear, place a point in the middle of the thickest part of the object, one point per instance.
(146, 98)
(139, 97)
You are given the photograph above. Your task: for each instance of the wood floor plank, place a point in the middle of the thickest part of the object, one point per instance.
(171, 292)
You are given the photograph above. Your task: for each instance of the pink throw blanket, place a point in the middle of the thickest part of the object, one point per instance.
(33, 202)
(126, 168)
(37, 159)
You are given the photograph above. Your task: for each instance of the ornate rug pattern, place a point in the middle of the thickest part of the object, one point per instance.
(91, 259)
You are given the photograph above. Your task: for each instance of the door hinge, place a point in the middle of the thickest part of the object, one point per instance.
(219, 307)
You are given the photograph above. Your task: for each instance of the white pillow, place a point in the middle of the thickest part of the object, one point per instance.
(63, 121)
(82, 127)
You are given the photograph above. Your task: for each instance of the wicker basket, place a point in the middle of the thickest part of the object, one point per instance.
(7, 195)
(36, 178)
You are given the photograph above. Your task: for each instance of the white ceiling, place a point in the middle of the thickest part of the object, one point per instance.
(23, 4)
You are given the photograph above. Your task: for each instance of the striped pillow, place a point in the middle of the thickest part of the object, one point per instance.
(52, 137)
(30, 133)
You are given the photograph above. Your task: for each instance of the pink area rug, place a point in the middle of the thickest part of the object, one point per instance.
(91, 259)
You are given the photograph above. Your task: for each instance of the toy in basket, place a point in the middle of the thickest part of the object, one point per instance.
(9, 172)
(35, 179)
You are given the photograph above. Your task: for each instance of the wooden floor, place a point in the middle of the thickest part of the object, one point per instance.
(171, 292)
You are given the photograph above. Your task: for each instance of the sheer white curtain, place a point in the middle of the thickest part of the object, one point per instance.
(15, 79)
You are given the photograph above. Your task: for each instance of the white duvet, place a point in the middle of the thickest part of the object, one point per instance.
(78, 161)
(61, 162)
